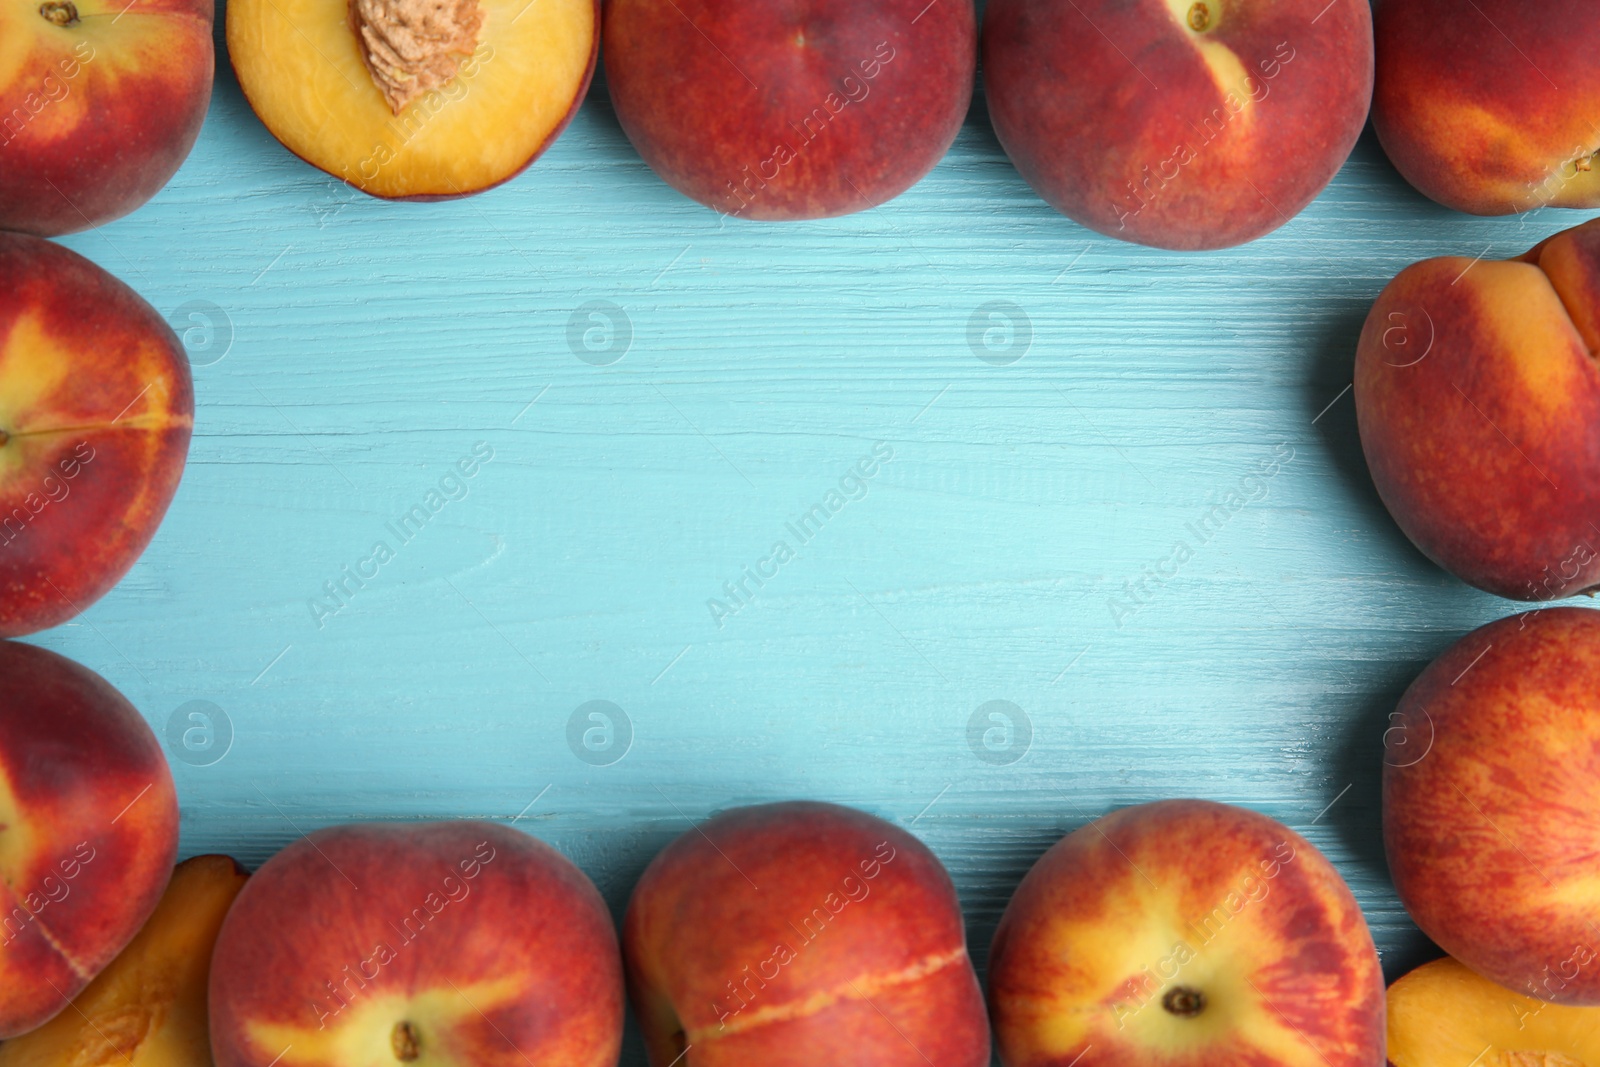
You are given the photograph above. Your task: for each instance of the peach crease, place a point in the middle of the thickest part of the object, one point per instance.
(860, 988)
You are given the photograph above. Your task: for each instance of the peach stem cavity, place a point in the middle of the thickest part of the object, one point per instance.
(1184, 1002)
(59, 12)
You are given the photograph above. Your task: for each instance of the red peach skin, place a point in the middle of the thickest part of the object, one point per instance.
(798, 934)
(1478, 400)
(96, 409)
(88, 830)
(790, 109)
(1491, 807)
(1185, 125)
(1489, 107)
(100, 103)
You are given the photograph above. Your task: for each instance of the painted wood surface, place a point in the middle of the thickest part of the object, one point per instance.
(663, 397)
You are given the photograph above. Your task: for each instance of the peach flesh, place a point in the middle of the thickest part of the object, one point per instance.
(302, 68)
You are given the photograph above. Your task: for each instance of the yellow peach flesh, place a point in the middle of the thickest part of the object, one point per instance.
(1444, 1015)
(148, 1007)
(301, 68)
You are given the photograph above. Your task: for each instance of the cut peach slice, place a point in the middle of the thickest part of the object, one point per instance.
(148, 1008)
(1444, 1015)
(325, 77)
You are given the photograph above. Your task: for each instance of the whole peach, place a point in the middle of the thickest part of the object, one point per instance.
(1185, 933)
(96, 410)
(1185, 124)
(1491, 802)
(100, 103)
(798, 934)
(88, 830)
(790, 109)
(1478, 399)
(449, 944)
(1490, 107)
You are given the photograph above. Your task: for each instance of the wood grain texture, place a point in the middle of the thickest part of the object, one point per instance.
(369, 345)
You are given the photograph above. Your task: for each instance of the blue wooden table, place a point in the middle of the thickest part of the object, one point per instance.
(1032, 610)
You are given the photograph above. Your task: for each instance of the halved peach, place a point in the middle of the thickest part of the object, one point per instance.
(148, 1008)
(1444, 1015)
(415, 99)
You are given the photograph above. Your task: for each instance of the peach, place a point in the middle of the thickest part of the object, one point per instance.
(1490, 108)
(1491, 802)
(1478, 399)
(96, 408)
(450, 944)
(148, 1008)
(798, 934)
(1184, 124)
(88, 831)
(415, 99)
(1185, 934)
(100, 103)
(790, 110)
(1444, 1015)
